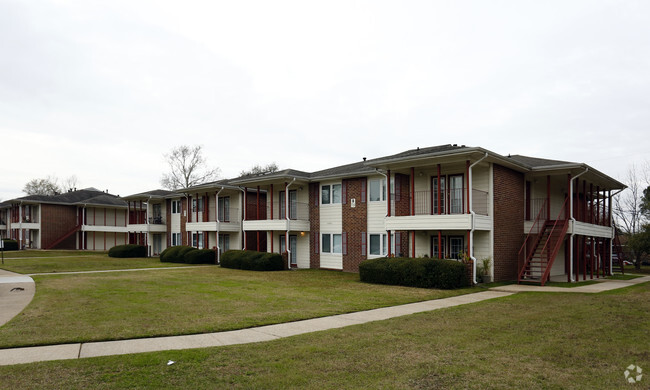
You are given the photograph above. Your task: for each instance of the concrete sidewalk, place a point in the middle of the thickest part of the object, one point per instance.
(16, 292)
(243, 336)
(602, 285)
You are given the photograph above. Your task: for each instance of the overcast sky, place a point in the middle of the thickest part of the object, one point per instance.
(102, 89)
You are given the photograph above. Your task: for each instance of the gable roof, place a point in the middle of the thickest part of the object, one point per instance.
(85, 196)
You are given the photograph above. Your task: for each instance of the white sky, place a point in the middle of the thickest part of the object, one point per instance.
(102, 89)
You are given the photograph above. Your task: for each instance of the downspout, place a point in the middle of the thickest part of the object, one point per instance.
(573, 222)
(611, 242)
(20, 224)
(286, 215)
(388, 241)
(243, 234)
(218, 225)
(471, 211)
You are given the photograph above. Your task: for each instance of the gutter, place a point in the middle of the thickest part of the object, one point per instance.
(573, 221)
(471, 211)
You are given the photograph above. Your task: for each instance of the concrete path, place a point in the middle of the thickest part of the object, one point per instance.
(602, 285)
(243, 336)
(272, 332)
(16, 292)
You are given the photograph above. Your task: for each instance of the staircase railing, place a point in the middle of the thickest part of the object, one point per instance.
(618, 249)
(63, 237)
(560, 226)
(523, 254)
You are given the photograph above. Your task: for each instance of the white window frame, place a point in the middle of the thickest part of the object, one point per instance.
(383, 244)
(197, 202)
(176, 206)
(381, 182)
(176, 239)
(335, 248)
(197, 236)
(331, 190)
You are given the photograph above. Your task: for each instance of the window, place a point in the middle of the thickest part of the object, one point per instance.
(435, 195)
(176, 206)
(438, 251)
(378, 244)
(176, 239)
(224, 243)
(293, 204)
(377, 191)
(197, 240)
(332, 243)
(455, 247)
(331, 194)
(196, 202)
(456, 194)
(224, 209)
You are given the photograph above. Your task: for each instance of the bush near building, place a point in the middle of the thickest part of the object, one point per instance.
(252, 260)
(10, 245)
(414, 272)
(129, 250)
(189, 255)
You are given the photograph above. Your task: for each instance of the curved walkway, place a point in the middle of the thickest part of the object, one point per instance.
(273, 332)
(16, 292)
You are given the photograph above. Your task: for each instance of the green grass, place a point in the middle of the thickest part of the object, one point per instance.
(525, 341)
(110, 306)
(645, 269)
(29, 262)
(623, 277)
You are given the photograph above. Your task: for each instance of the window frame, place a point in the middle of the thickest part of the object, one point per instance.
(176, 206)
(381, 183)
(334, 241)
(333, 191)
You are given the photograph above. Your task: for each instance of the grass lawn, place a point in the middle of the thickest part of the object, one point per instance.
(645, 269)
(28, 262)
(110, 306)
(525, 341)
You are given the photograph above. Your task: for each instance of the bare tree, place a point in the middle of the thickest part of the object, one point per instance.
(258, 169)
(629, 207)
(187, 168)
(69, 184)
(47, 186)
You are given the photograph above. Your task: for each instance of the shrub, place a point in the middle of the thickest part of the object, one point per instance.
(421, 272)
(176, 254)
(200, 256)
(10, 245)
(252, 260)
(129, 250)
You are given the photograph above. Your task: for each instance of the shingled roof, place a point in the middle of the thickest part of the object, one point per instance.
(85, 196)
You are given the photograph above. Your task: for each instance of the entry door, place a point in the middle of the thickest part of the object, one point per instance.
(157, 243)
(293, 244)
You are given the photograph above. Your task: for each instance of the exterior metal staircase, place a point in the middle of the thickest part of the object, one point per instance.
(541, 246)
(63, 237)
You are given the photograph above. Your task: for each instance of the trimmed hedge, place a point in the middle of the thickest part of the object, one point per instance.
(10, 245)
(129, 250)
(420, 272)
(252, 260)
(189, 255)
(201, 256)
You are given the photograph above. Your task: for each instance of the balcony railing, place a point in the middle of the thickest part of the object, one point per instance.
(297, 211)
(158, 220)
(451, 202)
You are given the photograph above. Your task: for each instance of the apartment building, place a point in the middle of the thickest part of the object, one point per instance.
(534, 218)
(80, 219)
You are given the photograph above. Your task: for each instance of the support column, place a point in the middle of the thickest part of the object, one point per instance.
(468, 189)
(441, 250)
(413, 195)
(388, 194)
(413, 243)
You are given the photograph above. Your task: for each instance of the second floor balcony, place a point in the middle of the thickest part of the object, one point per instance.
(277, 217)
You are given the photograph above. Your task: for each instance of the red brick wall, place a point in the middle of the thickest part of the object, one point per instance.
(508, 221)
(314, 225)
(355, 223)
(57, 220)
(402, 195)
